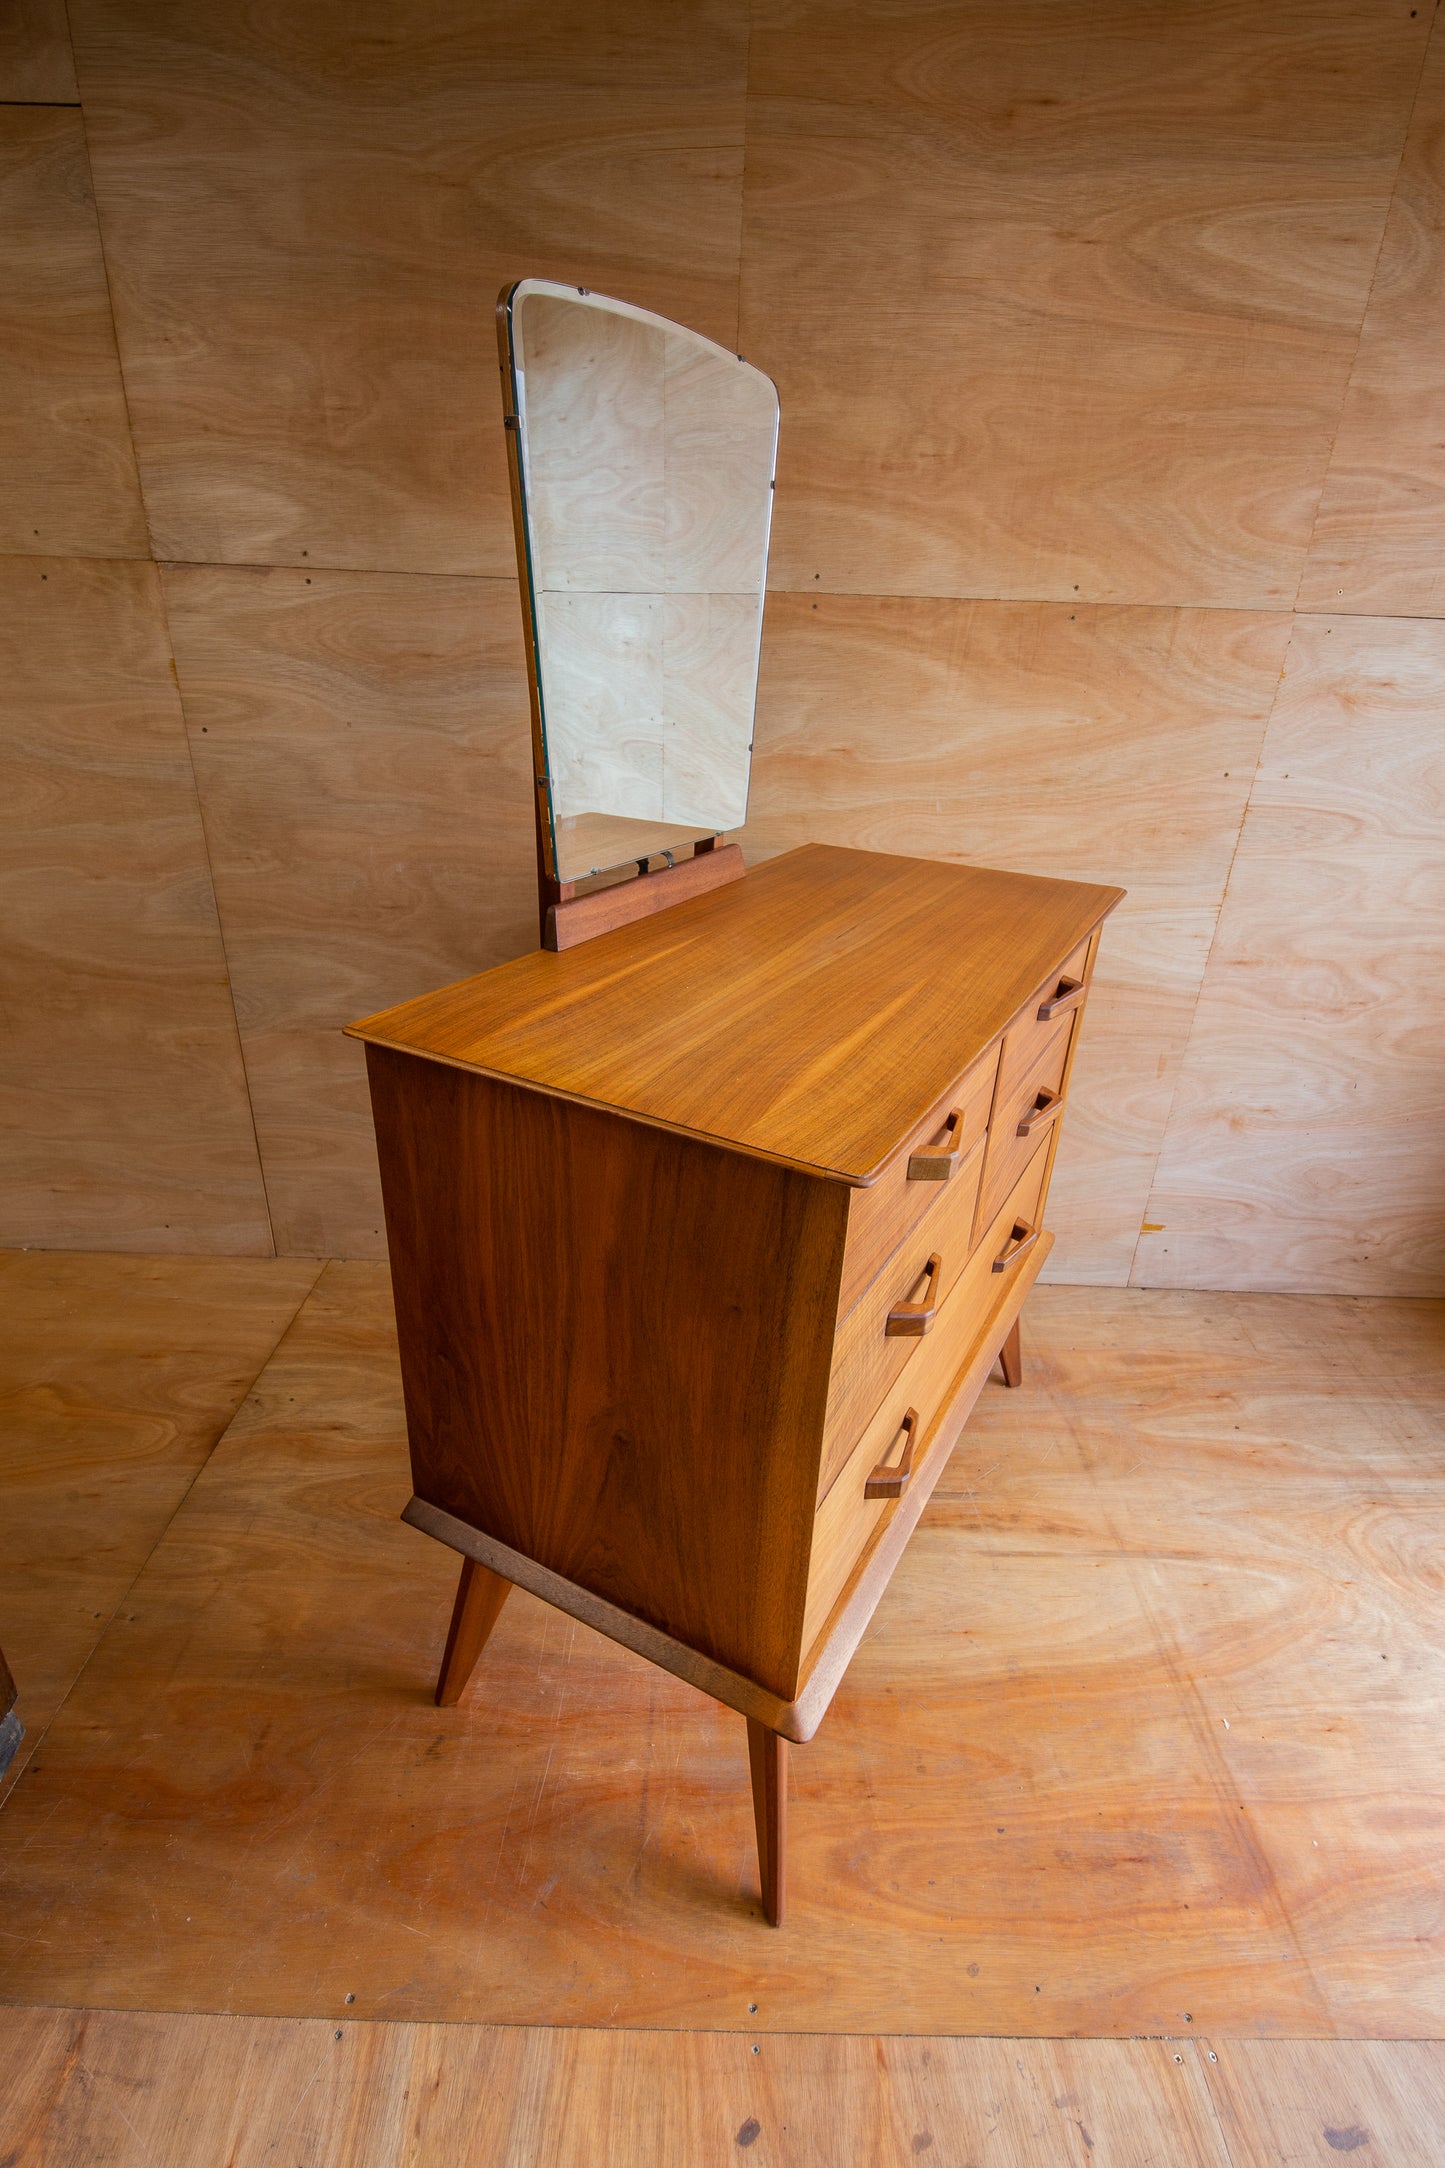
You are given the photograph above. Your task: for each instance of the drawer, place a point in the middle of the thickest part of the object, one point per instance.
(879, 1337)
(1027, 1101)
(846, 1519)
(916, 1179)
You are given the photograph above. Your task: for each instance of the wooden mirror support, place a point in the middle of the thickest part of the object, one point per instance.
(572, 911)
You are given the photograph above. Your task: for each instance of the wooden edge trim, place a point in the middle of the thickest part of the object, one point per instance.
(626, 901)
(602, 1106)
(833, 1650)
(659, 1648)
(850, 1178)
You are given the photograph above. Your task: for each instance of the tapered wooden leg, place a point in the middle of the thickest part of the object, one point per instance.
(768, 1758)
(1011, 1355)
(480, 1596)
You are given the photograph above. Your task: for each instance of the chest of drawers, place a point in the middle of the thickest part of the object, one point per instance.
(705, 1238)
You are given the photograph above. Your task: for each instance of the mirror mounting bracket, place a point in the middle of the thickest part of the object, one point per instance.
(568, 918)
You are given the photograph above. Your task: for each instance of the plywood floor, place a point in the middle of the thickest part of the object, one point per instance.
(1143, 1741)
(108, 2090)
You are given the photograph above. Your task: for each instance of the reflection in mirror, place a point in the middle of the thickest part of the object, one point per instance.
(646, 460)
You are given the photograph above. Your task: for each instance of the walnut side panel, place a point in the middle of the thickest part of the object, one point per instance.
(610, 1350)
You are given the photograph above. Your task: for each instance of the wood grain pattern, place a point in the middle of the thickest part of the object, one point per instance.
(1300, 1599)
(1025, 1769)
(68, 483)
(1060, 305)
(962, 1341)
(768, 1767)
(670, 1463)
(1309, 2101)
(949, 1392)
(790, 1052)
(141, 2091)
(1108, 745)
(117, 1376)
(1377, 543)
(475, 1611)
(1028, 1099)
(1305, 1149)
(648, 452)
(121, 1086)
(304, 280)
(35, 59)
(790, 1719)
(874, 1564)
(1125, 263)
(361, 751)
(866, 1356)
(649, 708)
(881, 1216)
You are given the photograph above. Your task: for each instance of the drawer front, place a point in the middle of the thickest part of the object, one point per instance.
(881, 1216)
(877, 1338)
(846, 1519)
(1030, 1079)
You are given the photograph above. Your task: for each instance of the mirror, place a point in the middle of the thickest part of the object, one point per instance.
(644, 479)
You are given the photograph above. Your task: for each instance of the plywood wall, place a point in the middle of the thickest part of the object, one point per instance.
(1110, 541)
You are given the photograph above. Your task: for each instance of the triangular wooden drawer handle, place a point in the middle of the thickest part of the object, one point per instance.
(906, 1320)
(1022, 1237)
(940, 1162)
(1046, 1105)
(890, 1478)
(1069, 994)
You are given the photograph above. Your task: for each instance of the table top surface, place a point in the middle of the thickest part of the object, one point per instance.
(812, 1012)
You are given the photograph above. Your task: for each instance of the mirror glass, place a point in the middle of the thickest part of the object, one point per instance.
(645, 466)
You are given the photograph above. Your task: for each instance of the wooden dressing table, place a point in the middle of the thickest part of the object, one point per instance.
(705, 1236)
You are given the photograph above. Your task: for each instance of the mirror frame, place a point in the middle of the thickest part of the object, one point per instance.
(554, 887)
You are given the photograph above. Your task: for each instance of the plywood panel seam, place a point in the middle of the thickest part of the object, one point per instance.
(189, 2087)
(1364, 313)
(37, 54)
(1240, 1822)
(1383, 617)
(220, 923)
(34, 1740)
(1202, 2052)
(1303, 1147)
(743, 179)
(310, 568)
(268, 1714)
(1181, 2044)
(1113, 605)
(1204, 972)
(114, 335)
(1200, 1724)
